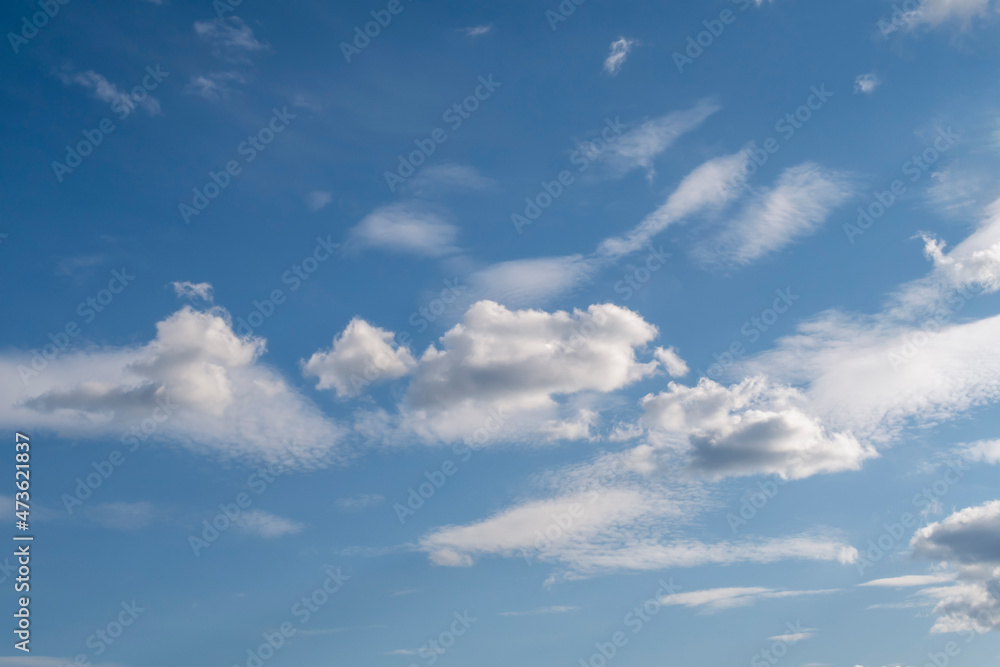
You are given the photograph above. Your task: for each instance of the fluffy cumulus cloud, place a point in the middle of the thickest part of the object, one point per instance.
(517, 362)
(970, 536)
(969, 540)
(196, 383)
(361, 355)
(751, 428)
(500, 374)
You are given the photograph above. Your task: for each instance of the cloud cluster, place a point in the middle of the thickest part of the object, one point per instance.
(502, 366)
(752, 428)
(970, 540)
(361, 354)
(197, 383)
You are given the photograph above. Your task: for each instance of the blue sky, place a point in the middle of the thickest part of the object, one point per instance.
(536, 333)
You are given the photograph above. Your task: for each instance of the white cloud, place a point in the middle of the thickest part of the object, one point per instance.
(214, 85)
(555, 609)
(229, 36)
(439, 179)
(406, 228)
(318, 200)
(620, 49)
(121, 102)
(751, 428)
(640, 146)
(934, 13)
(975, 262)
(588, 534)
(526, 282)
(866, 83)
(794, 637)
(267, 525)
(708, 187)
(911, 580)
(957, 191)
(361, 355)
(515, 362)
(120, 516)
(719, 599)
(359, 502)
(983, 451)
(201, 384)
(188, 290)
(869, 376)
(477, 30)
(39, 661)
(909, 364)
(971, 535)
(675, 366)
(970, 540)
(796, 206)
